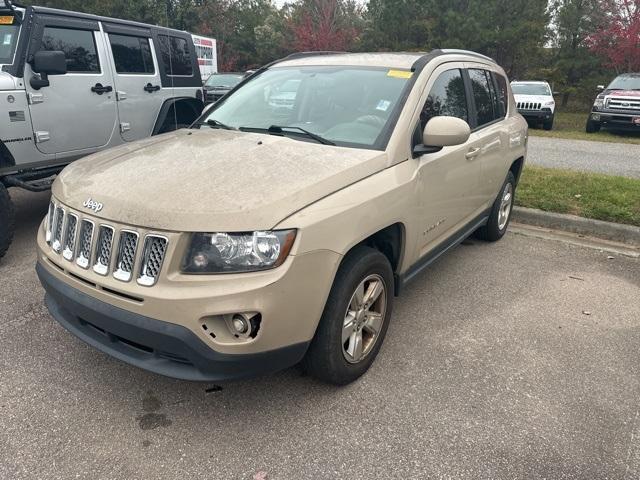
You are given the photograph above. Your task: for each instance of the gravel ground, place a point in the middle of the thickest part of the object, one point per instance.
(513, 360)
(601, 157)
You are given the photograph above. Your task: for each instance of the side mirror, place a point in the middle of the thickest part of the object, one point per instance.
(600, 88)
(50, 62)
(47, 62)
(442, 132)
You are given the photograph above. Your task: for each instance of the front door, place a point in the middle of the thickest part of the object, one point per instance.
(137, 80)
(76, 113)
(448, 179)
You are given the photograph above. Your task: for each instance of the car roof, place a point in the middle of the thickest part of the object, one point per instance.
(401, 60)
(532, 82)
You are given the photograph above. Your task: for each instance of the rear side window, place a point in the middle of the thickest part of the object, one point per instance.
(175, 56)
(446, 97)
(79, 48)
(483, 96)
(503, 95)
(131, 54)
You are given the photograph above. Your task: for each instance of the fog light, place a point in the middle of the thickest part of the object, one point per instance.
(240, 324)
(595, 117)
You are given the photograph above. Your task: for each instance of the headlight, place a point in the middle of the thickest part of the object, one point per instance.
(549, 104)
(237, 252)
(599, 103)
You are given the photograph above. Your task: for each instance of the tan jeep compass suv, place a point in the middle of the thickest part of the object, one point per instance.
(273, 232)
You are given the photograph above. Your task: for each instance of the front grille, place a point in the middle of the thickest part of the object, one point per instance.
(623, 104)
(528, 106)
(103, 250)
(155, 248)
(49, 222)
(58, 224)
(103, 246)
(126, 255)
(69, 244)
(86, 239)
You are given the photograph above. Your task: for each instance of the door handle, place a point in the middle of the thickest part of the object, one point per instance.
(472, 153)
(100, 89)
(151, 88)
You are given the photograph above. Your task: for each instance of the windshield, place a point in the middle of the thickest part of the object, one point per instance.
(224, 80)
(8, 42)
(530, 89)
(348, 106)
(626, 82)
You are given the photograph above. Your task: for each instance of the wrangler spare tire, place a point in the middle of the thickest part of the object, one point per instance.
(7, 220)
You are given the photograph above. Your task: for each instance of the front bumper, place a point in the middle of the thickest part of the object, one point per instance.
(617, 119)
(540, 115)
(160, 347)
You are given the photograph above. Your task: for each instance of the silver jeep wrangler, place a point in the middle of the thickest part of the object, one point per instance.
(72, 84)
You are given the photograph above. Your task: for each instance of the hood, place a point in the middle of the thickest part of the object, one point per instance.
(209, 88)
(622, 93)
(533, 98)
(7, 82)
(212, 180)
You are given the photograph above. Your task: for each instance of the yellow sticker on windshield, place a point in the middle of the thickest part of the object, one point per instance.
(6, 20)
(399, 73)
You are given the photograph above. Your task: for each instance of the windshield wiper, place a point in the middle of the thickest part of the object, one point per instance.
(215, 124)
(280, 130)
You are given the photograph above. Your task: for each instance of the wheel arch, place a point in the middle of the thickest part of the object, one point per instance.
(516, 168)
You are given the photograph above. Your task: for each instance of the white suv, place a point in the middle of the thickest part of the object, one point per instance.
(534, 101)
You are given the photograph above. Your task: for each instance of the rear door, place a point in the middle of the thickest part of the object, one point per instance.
(487, 141)
(76, 113)
(137, 79)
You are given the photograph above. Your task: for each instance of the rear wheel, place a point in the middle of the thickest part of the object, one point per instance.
(355, 318)
(592, 127)
(6, 220)
(500, 214)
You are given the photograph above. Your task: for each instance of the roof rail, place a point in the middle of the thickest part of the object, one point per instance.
(292, 56)
(466, 52)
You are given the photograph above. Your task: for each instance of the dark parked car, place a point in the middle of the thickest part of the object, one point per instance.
(617, 107)
(219, 84)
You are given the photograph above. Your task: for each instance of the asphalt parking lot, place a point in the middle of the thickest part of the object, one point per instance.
(510, 360)
(621, 159)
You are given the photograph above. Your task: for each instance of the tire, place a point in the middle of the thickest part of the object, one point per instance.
(329, 358)
(497, 224)
(7, 220)
(548, 124)
(592, 127)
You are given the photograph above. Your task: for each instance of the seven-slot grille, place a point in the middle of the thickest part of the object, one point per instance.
(623, 104)
(528, 105)
(105, 249)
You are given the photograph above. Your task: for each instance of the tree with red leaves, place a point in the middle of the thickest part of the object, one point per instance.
(324, 25)
(617, 38)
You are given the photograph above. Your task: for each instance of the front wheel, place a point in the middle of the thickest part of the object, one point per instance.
(548, 124)
(355, 318)
(500, 214)
(592, 127)
(6, 220)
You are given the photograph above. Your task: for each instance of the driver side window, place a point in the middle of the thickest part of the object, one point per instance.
(446, 97)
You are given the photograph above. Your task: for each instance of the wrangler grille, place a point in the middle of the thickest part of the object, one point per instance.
(155, 248)
(86, 239)
(69, 244)
(104, 246)
(528, 105)
(58, 224)
(103, 250)
(126, 255)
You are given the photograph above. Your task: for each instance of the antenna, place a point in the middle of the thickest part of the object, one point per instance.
(171, 76)
(16, 14)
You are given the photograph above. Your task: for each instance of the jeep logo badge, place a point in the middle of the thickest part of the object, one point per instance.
(92, 205)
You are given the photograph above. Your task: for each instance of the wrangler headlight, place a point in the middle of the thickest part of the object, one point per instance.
(237, 252)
